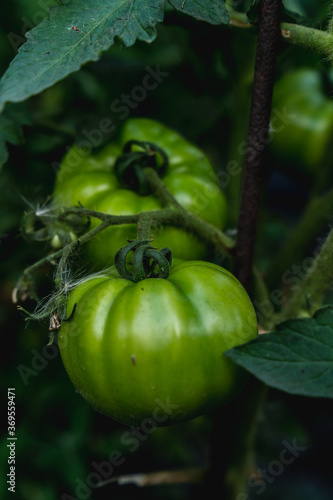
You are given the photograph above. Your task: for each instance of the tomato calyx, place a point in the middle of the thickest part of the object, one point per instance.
(136, 156)
(144, 262)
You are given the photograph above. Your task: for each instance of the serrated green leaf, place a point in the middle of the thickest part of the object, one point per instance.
(71, 36)
(296, 358)
(210, 11)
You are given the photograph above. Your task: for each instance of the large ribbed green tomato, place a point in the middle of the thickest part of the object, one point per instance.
(152, 351)
(91, 180)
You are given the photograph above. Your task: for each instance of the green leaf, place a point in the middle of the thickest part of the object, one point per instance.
(210, 11)
(11, 130)
(296, 358)
(71, 36)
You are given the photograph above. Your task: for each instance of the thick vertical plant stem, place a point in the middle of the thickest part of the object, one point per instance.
(234, 426)
(268, 38)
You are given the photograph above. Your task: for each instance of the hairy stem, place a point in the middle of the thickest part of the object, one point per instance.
(144, 226)
(309, 38)
(167, 216)
(162, 192)
(191, 222)
(303, 36)
(25, 282)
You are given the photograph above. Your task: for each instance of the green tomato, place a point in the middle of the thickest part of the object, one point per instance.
(152, 351)
(303, 136)
(91, 180)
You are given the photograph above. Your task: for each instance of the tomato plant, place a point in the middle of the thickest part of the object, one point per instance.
(197, 126)
(132, 344)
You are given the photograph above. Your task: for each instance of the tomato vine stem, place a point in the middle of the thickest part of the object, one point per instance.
(320, 41)
(267, 44)
(231, 472)
(168, 216)
(25, 284)
(162, 192)
(144, 225)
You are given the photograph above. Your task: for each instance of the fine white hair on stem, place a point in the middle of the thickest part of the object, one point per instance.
(56, 301)
(39, 209)
(42, 209)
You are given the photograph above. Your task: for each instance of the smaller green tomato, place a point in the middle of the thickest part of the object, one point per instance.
(92, 180)
(302, 121)
(153, 351)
